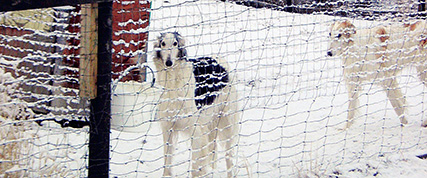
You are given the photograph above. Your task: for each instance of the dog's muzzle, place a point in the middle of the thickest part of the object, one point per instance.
(168, 63)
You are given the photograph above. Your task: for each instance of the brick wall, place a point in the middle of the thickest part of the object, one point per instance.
(46, 57)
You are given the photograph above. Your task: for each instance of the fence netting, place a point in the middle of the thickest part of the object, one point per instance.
(293, 100)
(291, 71)
(40, 94)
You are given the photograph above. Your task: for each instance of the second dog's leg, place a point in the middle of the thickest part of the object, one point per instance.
(396, 98)
(169, 139)
(228, 136)
(199, 152)
(213, 133)
(353, 103)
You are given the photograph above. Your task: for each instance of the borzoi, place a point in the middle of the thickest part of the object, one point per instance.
(370, 55)
(199, 102)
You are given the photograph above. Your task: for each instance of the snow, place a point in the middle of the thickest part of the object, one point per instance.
(30, 150)
(292, 96)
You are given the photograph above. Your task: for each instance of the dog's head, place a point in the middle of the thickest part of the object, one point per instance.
(169, 49)
(340, 37)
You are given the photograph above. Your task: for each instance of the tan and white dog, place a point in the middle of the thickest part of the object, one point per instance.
(377, 55)
(198, 102)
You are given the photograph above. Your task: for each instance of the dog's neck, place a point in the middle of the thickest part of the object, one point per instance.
(177, 77)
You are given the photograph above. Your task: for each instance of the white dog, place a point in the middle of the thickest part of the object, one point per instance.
(370, 55)
(199, 102)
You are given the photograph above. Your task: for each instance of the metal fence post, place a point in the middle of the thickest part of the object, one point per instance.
(99, 136)
(422, 7)
(289, 6)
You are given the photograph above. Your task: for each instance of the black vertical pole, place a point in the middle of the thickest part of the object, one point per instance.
(422, 7)
(99, 138)
(289, 6)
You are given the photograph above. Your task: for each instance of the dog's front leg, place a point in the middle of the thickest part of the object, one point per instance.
(212, 141)
(353, 101)
(199, 152)
(228, 136)
(396, 98)
(169, 138)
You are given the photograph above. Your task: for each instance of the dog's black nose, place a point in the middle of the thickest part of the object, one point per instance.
(168, 63)
(329, 53)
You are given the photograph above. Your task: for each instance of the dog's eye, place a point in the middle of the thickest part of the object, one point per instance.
(175, 43)
(339, 36)
(163, 43)
(330, 34)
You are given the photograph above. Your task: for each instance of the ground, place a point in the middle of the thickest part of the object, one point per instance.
(292, 96)
(293, 99)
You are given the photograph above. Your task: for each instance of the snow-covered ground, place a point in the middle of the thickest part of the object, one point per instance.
(293, 100)
(30, 150)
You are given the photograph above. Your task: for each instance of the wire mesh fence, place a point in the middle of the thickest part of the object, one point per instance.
(39, 80)
(263, 86)
(292, 96)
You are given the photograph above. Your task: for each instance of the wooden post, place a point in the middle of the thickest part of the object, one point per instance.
(88, 51)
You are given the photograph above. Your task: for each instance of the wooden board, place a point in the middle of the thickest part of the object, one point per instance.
(88, 51)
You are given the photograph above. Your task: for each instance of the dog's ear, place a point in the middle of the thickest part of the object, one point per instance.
(182, 53)
(156, 43)
(181, 46)
(158, 54)
(347, 24)
(156, 47)
(348, 27)
(412, 26)
(180, 39)
(382, 33)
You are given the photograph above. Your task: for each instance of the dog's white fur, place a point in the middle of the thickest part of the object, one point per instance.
(215, 123)
(377, 54)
